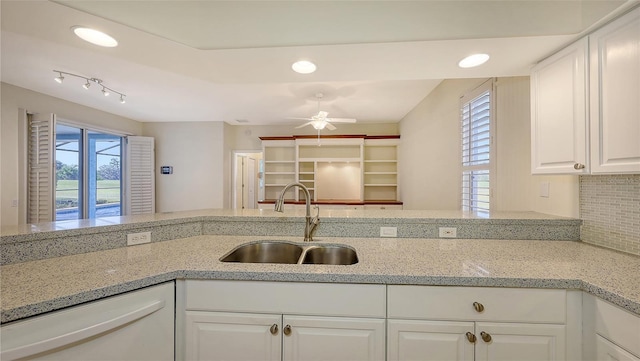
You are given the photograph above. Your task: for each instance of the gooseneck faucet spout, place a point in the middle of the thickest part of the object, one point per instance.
(311, 224)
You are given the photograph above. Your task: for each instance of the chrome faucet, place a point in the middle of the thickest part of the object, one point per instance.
(310, 223)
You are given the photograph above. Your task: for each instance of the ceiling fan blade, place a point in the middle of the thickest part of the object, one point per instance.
(304, 125)
(299, 118)
(330, 126)
(341, 120)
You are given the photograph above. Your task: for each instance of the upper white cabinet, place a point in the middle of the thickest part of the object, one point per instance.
(585, 108)
(559, 111)
(615, 96)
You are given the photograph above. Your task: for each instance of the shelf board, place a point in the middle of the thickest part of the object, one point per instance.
(328, 160)
(380, 161)
(306, 172)
(387, 173)
(276, 185)
(279, 161)
(380, 185)
(280, 173)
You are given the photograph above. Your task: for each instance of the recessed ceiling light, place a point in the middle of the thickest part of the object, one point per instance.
(304, 67)
(94, 36)
(473, 60)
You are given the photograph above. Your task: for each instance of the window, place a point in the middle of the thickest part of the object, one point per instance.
(476, 129)
(77, 173)
(88, 173)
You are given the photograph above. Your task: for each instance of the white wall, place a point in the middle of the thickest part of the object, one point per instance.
(13, 177)
(196, 150)
(430, 153)
(247, 137)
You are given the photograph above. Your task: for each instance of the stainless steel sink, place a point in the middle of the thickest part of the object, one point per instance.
(330, 254)
(265, 252)
(291, 253)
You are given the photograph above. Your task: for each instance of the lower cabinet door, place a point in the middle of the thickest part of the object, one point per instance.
(429, 340)
(232, 336)
(307, 338)
(608, 351)
(519, 342)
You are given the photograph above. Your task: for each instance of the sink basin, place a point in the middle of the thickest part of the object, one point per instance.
(265, 252)
(291, 253)
(330, 254)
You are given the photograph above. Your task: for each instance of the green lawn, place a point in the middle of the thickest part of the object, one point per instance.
(67, 192)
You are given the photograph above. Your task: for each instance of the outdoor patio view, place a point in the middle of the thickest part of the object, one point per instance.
(101, 169)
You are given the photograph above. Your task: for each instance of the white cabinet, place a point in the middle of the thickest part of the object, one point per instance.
(615, 95)
(610, 333)
(135, 326)
(226, 336)
(559, 112)
(470, 323)
(585, 113)
(292, 321)
(609, 351)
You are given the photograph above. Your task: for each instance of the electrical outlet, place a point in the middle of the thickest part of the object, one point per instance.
(388, 231)
(138, 238)
(14, 203)
(447, 232)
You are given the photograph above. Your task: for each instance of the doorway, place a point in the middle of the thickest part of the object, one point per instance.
(246, 178)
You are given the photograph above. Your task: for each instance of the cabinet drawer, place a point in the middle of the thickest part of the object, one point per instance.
(618, 326)
(457, 303)
(354, 300)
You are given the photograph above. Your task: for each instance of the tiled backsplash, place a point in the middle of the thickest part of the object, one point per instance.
(610, 211)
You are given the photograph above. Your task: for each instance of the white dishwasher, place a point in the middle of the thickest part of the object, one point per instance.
(138, 325)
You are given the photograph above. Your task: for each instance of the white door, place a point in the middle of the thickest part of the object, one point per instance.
(232, 336)
(559, 112)
(250, 183)
(519, 342)
(607, 351)
(309, 338)
(615, 90)
(429, 340)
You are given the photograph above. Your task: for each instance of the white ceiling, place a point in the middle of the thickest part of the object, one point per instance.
(230, 60)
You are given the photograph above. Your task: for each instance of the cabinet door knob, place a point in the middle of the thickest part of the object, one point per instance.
(274, 329)
(578, 166)
(485, 336)
(471, 337)
(479, 307)
(287, 330)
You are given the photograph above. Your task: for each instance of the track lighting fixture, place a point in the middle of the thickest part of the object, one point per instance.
(105, 89)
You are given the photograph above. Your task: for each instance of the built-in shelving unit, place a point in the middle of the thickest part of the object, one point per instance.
(279, 167)
(352, 169)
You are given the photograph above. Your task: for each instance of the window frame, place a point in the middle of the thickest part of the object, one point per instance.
(486, 87)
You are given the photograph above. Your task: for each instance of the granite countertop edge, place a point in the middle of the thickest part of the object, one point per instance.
(30, 310)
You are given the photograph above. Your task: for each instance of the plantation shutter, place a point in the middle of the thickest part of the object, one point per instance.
(40, 174)
(140, 176)
(476, 148)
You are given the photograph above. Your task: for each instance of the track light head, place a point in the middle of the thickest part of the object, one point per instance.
(106, 91)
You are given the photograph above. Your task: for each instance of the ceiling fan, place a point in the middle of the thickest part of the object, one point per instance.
(321, 121)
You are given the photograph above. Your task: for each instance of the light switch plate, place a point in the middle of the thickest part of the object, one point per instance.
(544, 189)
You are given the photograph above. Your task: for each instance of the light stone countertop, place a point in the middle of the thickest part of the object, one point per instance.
(35, 287)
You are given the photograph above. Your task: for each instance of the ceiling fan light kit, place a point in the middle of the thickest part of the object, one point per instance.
(106, 91)
(321, 119)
